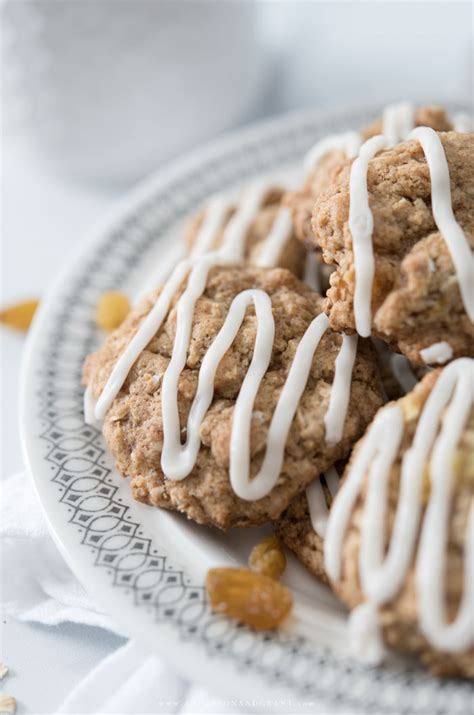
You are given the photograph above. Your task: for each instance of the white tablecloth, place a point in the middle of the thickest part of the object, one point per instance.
(45, 663)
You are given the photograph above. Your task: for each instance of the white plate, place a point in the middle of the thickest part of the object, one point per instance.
(146, 567)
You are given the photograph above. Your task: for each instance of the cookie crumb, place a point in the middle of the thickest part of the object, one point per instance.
(7, 704)
(3, 671)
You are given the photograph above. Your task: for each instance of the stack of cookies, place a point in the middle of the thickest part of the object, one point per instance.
(254, 385)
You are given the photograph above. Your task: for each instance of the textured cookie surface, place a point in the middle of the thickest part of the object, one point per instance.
(416, 301)
(292, 255)
(399, 618)
(133, 427)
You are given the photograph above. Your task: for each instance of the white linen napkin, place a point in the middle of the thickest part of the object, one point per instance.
(41, 588)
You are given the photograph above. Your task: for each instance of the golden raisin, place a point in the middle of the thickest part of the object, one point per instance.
(268, 557)
(112, 309)
(19, 316)
(252, 598)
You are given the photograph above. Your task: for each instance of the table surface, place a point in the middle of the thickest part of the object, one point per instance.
(45, 663)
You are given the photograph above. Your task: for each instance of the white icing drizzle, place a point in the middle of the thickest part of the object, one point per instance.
(365, 638)
(443, 215)
(177, 460)
(89, 407)
(213, 221)
(233, 242)
(463, 123)
(318, 509)
(398, 121)
(148, 328)
(341, 390)
(265, 480)
(437, 354)
(379, 446)
(404, 375)
(349, 142)
(277, 239)
(382, 571)
(361, 225)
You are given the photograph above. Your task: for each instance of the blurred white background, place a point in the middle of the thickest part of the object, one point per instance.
(109, 89)
(96, 94)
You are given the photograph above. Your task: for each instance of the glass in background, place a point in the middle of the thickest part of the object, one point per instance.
(109, 90)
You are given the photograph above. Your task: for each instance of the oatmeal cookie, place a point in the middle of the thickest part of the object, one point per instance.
(292, 254)
(415, 598)
(133, 425)
(416, 300)
(319, 179)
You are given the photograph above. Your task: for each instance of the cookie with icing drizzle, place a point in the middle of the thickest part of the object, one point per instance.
(224, 394)
(259, 220)
(323, 162)
(324, 159)
(398, 224)
(399, 543)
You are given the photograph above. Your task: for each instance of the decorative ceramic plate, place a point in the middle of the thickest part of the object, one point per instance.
(146, 566)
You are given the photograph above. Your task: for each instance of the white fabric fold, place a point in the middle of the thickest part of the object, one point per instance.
(39, 587)
(128, 681)
(37, 584)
